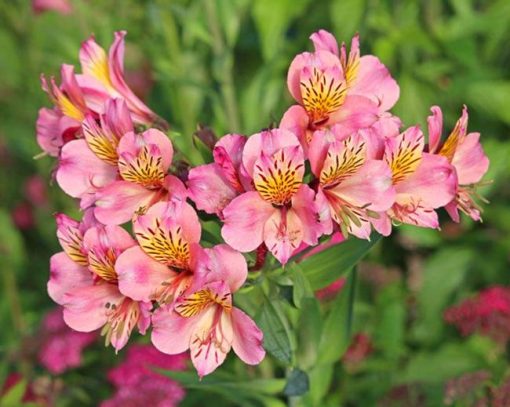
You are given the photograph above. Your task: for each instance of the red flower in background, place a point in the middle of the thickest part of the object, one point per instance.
(488, 314)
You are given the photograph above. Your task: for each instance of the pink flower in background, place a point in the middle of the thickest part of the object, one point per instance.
(61, 347)
(333, 88)
(282, 211)
(22, 216)
(359, 349)
(161, 267)
(466, 154)
(352, 186)
(144, 160)
(423, 182)
(36, 190)
(60, 6)
(84, 281)
(488, 313)
(213, 186)
(204, 320)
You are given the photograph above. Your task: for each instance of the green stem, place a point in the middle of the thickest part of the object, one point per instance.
(225, 74)
(353, 279)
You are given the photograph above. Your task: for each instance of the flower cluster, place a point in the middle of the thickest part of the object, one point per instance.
(337, 165)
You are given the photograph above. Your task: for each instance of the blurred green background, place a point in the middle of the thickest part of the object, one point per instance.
(223, 63)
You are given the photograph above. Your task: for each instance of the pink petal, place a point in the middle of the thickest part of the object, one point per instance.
(306, 209)
(209, 189)
(324, 41)
(132, 143)
(357, 112)
(245, 217)
(142, 113)
(66, 276)
(117, 117)
(296, 120)
(269, 142)
(140, 277)
(81, 171)
(224, 264)
(371, 185)
(435, 124)
(248, 338)
(118, 202)
(171, 333)
(49, 136)
(85, 308)
(434, 183)
(375, 82)
(453, 211)
(469, 160)
(283, 233)
(415, 213)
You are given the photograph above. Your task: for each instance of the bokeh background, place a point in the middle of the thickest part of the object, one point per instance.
(222, 64)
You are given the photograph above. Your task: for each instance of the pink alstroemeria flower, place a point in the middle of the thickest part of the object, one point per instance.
(213, 186)
(333, 88)
(143, 163)
(204, 319)
(60, 6)
(84, 281)
(282, 211)
(103, 77)
(423, 182)
(55, 127)
(352, 185)
(161, 267)
(90, 163)
(466, 154)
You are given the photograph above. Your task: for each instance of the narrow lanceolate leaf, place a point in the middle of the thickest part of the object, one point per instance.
(297, 383)
(327, 266)
(277, 334)
(336, 335)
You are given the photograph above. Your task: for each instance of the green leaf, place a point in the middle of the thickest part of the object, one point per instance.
(273, 18)
(325, 267)
(443, 273)
(297, 383)
(491, 97)
(14, 396)
(302, 288)
(309, 331)
(277, 333)
(336, 335)
(346, 16)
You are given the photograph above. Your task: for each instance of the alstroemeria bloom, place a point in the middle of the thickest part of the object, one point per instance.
(55, 127)
(333, 88)
(423, 182)
(84, 281)
(352, 185)
(204, 319)
(466, 154)
(161, 267)
(103, 77)
(90, 163)
(143, 163)
(213, 186)
(282, 211)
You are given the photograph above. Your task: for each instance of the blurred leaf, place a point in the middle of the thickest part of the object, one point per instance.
(301, 286)
(327, 266)
(491, 97)
(273, 18)
(346, 16)
(12, 253)
(442, 275)
(14, 395)
(277, 333)
(297, 383)
(335, 335)
(309, 331)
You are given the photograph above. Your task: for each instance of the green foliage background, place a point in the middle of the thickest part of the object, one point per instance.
(223, 63)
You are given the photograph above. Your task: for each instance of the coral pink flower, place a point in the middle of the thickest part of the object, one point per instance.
(60, 6)
(352, 186)
(61, 347)
(84, 281)
(35, 190)
(213, 186)
(487, 313)
(103, 77)
(282, 211)
(423, 182)
(333, 88)
(359, 349)
(466, 154)
(161, 267)
(143, 163)
(204, 320)
(23, 216)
